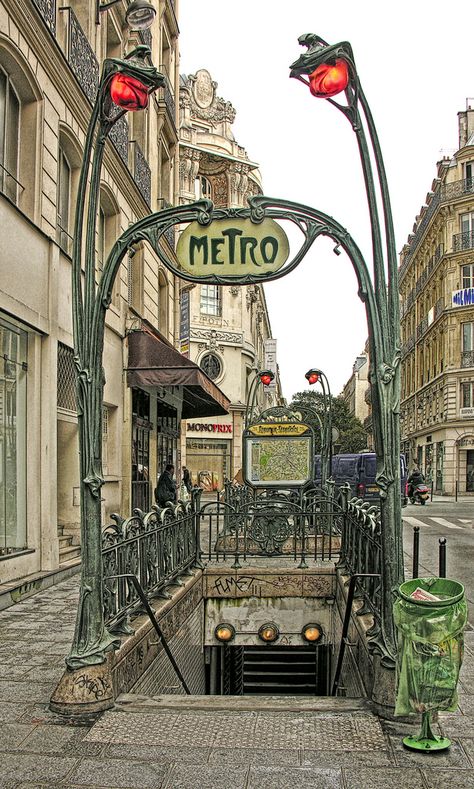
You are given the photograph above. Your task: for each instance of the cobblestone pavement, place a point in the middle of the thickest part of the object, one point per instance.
(176, 743)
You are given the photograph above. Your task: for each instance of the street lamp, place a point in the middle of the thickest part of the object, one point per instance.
(264, 377)
(329, 70)
(139, 15)
(314, 376)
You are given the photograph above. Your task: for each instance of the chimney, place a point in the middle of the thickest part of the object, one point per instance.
(466, 123)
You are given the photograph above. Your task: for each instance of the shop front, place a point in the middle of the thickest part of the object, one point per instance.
(209, 452)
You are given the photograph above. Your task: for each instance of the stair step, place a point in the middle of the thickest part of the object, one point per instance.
(64, 541)
(68, 553)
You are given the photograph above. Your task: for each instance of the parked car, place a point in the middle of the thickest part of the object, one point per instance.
(359, 470)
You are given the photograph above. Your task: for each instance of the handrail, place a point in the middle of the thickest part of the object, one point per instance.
(345, 626)
(155, 624)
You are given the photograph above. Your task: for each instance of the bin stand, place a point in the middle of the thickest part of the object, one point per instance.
(426, 740)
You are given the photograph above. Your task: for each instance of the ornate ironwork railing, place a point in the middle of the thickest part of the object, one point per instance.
(157, 547)
(47, 9)
(467, 358)
(141, 172)
(119, 136)
(361, 554)
(165, 95)
(462, 241)
(81, 58)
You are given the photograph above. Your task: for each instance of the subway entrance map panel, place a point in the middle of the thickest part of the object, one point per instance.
(278, 454)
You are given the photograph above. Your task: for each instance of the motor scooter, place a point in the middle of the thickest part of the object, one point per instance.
(420, 494)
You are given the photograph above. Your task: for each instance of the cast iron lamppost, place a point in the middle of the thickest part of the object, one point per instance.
(264, 377)
(329, 70)
(314, 376)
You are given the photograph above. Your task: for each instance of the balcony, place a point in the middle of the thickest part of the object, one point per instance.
(119, 137)
(166, 98)
(462, 241)
(47, 9)
(467, 358)
(457, 189)
(141, 172)
(80, 56)
(408, 346)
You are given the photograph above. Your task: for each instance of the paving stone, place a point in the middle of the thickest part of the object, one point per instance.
(440, 779)
(59, 740)
(256, 756)
(466, 704)
(156, 753)
(119, 773)
(294, 778)
(468, 748)
(21, 767)
(221, 776)
(11, 711)
(458, 726)
(333, 759)
(383, 778)
(13, 734)
(25, 691)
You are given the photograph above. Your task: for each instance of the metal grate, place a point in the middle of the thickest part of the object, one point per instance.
(66, 378)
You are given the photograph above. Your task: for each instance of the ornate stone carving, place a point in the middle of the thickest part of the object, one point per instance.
(198, 92)
(217, 336)
(188, 168)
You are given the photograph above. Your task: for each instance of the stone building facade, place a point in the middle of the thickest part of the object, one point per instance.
(437, 324)
(227, 329)
(50, 58)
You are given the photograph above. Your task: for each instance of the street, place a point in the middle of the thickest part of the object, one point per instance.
(438, 519)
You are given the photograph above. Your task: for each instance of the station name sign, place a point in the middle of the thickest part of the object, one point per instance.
(278, 429)
(232, 248)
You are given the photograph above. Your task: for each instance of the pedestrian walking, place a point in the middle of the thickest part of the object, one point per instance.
(187, 479)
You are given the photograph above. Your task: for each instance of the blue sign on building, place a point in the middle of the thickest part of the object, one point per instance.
(463, 297)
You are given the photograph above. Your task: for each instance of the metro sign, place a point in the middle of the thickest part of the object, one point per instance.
(232, 248)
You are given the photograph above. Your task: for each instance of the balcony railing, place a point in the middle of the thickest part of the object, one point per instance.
(165, 95)
(47, 9)
(119, 137)
(438, 308)
(80, 55)
(141, 172)
(467, 358)
(463, 241)
(422, 328)
(408, 346)
(456, 189)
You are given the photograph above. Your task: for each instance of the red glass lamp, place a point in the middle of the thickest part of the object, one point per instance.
(128, 92)
(312, 376)
(329, 79)
(266, 377)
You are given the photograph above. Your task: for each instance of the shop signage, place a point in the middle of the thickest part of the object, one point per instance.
(232, 248)
(184, 322)
(466, 412)
(463, 297)
(209, 428)
(278, 429)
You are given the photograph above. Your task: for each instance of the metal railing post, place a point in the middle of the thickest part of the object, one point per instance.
(442, 558)
(416, 550)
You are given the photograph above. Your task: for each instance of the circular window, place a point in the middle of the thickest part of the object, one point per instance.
(212, 365)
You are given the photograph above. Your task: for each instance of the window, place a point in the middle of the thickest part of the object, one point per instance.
(9, 138)
(202, 188)
(467, 336)
(69, 165)
(212, 366)
(469, 176)
(64, 202)
(467, 395)
(210, 301)
(13, 374)
(107, 228)
(467, 222)
(468, 276)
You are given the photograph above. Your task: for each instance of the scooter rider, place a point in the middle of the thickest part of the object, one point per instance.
(415, 478)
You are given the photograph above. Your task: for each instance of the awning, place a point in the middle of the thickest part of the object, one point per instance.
(153, 362)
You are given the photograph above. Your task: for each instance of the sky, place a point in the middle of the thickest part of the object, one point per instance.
(415, 64)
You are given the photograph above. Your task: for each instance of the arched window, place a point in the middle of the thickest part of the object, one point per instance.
(69, 165)
(19, 129)
(202, 188)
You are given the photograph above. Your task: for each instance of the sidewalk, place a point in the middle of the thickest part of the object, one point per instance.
(201, 742)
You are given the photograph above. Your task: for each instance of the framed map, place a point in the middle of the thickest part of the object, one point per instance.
(278, 459)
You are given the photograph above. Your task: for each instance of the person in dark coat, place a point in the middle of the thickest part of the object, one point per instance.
(416, 478)
(166, 489)
(187, 479)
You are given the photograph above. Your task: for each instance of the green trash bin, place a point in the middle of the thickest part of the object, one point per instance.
(430, 615)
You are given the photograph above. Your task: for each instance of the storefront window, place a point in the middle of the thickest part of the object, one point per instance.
(209, 463)
(141, 427)
(470, 471)
(167, 437)
(13, 357)
(439, 466)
